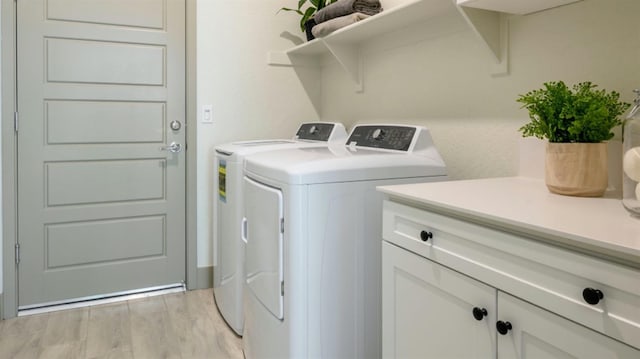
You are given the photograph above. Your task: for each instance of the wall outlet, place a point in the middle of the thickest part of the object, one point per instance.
(207, 114)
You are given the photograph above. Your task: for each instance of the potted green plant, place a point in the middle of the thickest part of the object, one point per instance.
(577, 122)
(306, 13)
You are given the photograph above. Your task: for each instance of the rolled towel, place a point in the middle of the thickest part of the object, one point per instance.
(631, 163)
(346, 7)
(332, 25)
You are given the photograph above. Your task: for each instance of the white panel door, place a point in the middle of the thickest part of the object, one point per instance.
(264, 239)
(430, 311)
(101, 204)
(537, 333)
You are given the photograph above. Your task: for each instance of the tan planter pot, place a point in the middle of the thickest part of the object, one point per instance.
(577, 169)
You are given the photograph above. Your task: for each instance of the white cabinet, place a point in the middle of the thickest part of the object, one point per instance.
(438, 268)
(537, 333)
(428, 308)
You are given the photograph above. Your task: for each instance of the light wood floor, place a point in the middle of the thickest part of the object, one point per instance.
(180, 325)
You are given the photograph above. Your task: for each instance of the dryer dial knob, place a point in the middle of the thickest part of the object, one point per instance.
(378, 134)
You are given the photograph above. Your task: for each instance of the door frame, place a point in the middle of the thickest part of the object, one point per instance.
(9, 295)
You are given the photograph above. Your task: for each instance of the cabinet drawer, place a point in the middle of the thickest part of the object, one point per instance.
(543, 274)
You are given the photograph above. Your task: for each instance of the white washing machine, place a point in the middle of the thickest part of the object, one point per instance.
(228, 200)
(313, 237)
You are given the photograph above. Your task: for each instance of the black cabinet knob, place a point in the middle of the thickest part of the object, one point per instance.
(479, 313)
(592, 296)
(425, 236)
(503, 327)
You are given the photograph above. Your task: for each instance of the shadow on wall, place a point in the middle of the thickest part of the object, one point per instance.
(295, 40)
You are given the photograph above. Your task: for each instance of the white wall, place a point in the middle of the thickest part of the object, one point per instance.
(442, 79)
(250, 99)
(1, 241)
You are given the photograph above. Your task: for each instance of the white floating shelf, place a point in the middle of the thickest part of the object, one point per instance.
(519, 7)
(344, 44)
(382, 23)
(485, 17)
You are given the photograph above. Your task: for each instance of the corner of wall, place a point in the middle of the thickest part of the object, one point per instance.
(204, 278)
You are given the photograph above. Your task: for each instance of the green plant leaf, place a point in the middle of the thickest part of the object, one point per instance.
(314, 6)
(306, 16)
(580, 114)
(288, 9)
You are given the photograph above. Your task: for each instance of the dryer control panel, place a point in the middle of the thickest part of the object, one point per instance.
(315, 131)
(386, 137)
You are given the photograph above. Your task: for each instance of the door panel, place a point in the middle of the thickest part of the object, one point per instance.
(139, 13)
(438, 305)
(97, 122)
(263, 253)
(91, 182)
(537, 333)
(92, 242)
(101, 205)
(104, 62)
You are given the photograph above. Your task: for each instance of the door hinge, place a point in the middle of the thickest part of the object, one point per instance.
(15, 121)
(282, 288)
(17, 247)
(281, 225)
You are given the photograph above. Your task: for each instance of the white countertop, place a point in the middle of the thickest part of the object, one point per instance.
(600, 226)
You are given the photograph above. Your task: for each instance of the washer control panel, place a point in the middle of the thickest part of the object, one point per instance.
(387, 137)
(315, 131)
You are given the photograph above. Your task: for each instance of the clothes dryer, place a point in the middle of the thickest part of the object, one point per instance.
(228, 200)
(313, 237)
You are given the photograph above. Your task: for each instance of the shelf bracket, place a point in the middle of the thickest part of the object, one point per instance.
(493, 29)
(350, 59)
(278, 58)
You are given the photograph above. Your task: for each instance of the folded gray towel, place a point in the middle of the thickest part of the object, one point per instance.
(334, 24)
(346, 7)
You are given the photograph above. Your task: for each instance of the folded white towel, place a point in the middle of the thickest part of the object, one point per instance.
(332, 25)
(346, 7)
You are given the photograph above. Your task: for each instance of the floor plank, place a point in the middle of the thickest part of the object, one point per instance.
(109, 331)
(151, 333)
(181, 325)
(66, 327)
(21, 337)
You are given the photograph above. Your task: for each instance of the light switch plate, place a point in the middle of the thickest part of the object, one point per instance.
(207, 114)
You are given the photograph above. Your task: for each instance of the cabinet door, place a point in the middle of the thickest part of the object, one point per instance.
(427, 310)
(537, 333)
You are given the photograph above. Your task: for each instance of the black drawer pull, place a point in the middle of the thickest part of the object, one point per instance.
(592, 296)
(425, 236)
(503, 327)
(479, 313)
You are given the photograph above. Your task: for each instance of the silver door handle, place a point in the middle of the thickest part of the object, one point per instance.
(173, 147)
